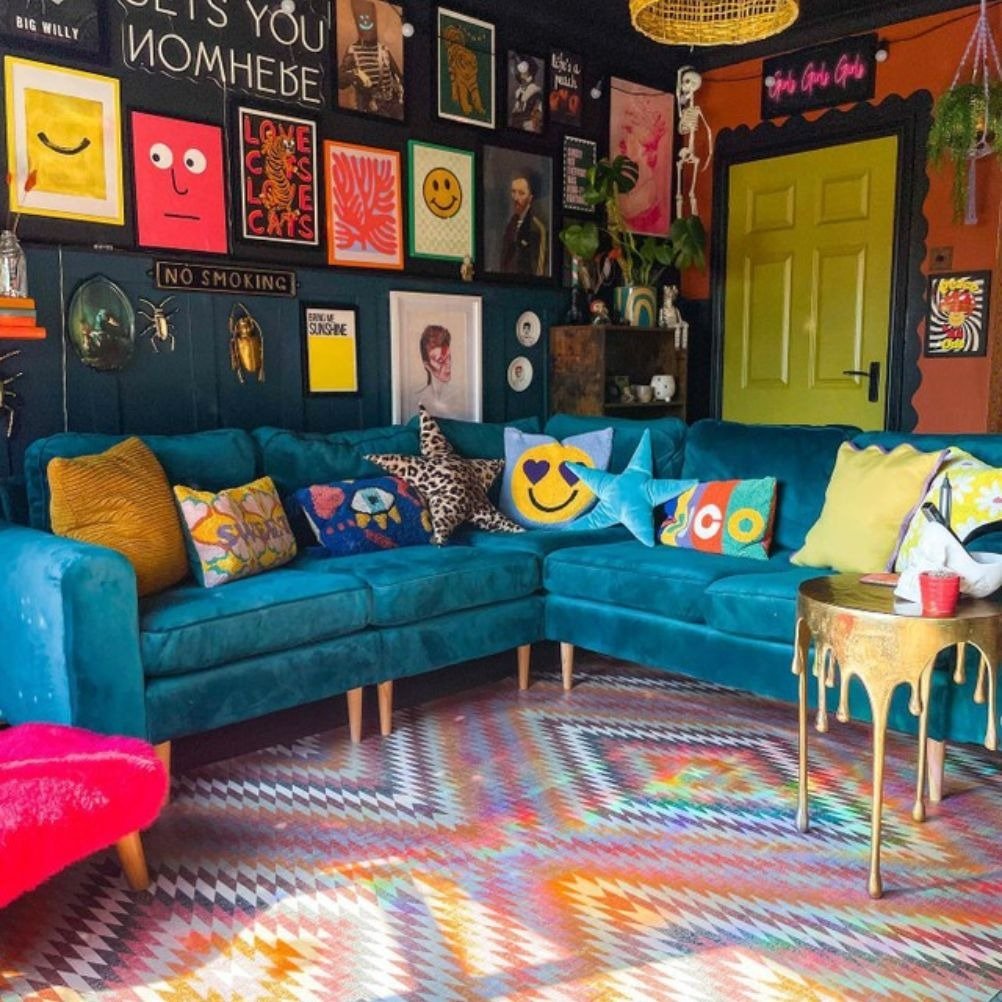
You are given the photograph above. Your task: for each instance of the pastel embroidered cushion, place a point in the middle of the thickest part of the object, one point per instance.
(538, 488)
(237, 532)
(723, 516)
(870, 499)
(120, 498)
(957, 465)
(361, 516)
(628, 498)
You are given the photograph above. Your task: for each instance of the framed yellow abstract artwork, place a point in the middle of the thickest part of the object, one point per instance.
(64, 142)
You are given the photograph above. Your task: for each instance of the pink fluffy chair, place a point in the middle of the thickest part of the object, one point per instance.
(66, 793)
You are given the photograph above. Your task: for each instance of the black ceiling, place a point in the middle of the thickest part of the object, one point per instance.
(605, 27)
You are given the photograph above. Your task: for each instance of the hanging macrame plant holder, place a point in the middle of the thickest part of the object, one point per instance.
(967, 119)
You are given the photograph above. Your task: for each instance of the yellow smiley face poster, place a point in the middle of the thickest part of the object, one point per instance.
(63, 131)
(442, 201)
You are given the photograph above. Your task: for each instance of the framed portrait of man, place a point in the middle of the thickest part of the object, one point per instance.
(526, 92)
(518, 213)
(369, 54)
(642, 126)
(435, 355)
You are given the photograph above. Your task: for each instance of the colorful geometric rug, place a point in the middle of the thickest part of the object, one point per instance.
(631, 840)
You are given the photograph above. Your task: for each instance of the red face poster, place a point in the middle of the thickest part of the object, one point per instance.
(278, 178)
(179, 181)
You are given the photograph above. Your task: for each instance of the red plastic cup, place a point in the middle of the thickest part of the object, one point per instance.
(940, 592)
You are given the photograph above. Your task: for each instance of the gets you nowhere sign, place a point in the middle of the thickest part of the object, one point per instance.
(836, 73)
(251, 46)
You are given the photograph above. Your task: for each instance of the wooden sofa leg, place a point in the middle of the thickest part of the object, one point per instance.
(162, 752)
(936, 756)
(567, 664)
(523, 653)
(355, 715)
(133, 860)
(384, 691)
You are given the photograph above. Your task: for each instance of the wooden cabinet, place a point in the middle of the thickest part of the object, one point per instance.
(584, 361)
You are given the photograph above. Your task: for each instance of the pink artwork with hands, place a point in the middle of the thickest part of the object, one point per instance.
(364, 210)
(179, 183)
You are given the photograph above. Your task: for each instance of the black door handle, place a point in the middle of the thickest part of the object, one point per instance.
(873, 375)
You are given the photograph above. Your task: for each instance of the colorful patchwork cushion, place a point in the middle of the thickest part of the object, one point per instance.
(723, 516)
(454, 488)
(629, 497)
(538, 488)
(360, 516)
(975, 502)
(121, 499)
(237, 532)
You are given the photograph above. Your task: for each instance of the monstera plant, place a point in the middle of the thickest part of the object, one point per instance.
(967, 124)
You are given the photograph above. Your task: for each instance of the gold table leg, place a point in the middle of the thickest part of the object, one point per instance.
(918, 811)
(800, 669)
(875, 886)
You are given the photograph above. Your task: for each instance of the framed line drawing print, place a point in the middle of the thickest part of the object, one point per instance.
(956, 325)
(435, 355)
(442, 206)
(364, 212)
(465, 74)
(330, 353)
(64, 126)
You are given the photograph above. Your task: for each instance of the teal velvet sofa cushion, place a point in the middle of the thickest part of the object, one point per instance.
(800, 457)
(479, 439)
(668, 437)
(541, 541)
(190, 628)
(987, 448)
(207, 460)
(416, 583)
(761, 606)
(296, 459)
(663, 580)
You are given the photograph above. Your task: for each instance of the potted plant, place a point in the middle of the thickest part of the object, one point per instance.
(641, 259)
(965, 126)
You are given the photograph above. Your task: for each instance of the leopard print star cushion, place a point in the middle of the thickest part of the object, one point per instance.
(455, 488)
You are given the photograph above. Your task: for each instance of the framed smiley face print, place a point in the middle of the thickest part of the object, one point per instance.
(64, 142)
(442, 200)
(180, 187)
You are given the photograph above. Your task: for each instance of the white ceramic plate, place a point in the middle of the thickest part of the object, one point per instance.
(520, 374)
(528, 328)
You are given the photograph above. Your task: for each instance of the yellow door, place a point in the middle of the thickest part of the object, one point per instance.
(808, 285)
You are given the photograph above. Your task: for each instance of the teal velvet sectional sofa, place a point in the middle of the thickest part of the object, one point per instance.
(78, 647)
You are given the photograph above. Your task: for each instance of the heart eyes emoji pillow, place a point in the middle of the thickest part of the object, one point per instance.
(538, 490)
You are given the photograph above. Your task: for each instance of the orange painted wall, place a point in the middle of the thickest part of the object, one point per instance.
(953, 395)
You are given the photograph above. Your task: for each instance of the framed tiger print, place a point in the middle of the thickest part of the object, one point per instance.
(277, 174)
(465, 69)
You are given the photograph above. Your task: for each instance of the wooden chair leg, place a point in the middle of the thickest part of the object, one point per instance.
(936, 753)
(384, 691)
(355, 715)
(567, 664)
(523, 653)
(162, 752)
(133, 860)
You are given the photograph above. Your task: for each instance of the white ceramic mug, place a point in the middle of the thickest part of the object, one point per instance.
(645, 394)
(663, 386)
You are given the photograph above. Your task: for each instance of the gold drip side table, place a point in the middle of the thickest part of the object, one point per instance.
(861, 630)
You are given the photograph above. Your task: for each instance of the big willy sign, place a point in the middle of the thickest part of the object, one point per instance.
(837, 73)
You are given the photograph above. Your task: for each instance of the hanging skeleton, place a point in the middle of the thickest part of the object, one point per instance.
(690, 115)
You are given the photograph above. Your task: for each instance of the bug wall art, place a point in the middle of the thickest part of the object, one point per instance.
(158, 322)
(7, 395)
(246, 344)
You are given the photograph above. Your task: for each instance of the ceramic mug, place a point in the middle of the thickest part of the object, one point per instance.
(940, 591)
(643, 393)
(663, 386)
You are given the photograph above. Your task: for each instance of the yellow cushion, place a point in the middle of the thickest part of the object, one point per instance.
(121, 499)
(868, 503)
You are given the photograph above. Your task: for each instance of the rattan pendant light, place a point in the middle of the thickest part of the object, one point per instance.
(711, 22)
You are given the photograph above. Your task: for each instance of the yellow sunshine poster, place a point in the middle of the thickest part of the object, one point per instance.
(331, 359)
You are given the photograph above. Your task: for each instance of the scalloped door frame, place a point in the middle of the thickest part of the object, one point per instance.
(909, 120)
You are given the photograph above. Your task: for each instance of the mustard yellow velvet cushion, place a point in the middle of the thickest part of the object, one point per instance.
(869, 501)
(121, 499)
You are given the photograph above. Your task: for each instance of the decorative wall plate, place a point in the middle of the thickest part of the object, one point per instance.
(520, 374)
(101, 324)
(528, 328)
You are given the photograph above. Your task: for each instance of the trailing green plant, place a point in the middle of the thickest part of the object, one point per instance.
(962, 125)
(641, 259)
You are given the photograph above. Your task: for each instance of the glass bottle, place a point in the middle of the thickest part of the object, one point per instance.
(13, 266)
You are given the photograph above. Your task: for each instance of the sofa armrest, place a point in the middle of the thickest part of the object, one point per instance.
(69, 634)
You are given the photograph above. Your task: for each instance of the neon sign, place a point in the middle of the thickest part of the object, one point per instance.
(837, 73)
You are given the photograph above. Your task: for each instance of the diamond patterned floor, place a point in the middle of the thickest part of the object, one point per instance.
(631, 840)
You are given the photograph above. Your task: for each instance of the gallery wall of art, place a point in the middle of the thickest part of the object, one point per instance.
(172, 148)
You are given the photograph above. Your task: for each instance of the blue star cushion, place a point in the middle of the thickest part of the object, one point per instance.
(629, 497)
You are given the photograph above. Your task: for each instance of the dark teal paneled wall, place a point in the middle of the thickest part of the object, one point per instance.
(194, 387)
